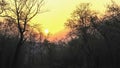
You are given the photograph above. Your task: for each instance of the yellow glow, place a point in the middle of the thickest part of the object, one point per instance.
(46, 31)
(60, 10)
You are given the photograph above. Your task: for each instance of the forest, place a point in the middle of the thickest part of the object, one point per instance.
(92, 42)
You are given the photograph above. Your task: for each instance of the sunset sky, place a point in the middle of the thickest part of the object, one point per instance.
(59, 11)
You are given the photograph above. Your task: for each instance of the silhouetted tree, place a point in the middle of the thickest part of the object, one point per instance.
(22, 11)
(80, 25)
(108, 28)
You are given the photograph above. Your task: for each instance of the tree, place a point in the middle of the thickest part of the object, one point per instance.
(80, 21)
(80, 26)
(22, 11)
(109, 28)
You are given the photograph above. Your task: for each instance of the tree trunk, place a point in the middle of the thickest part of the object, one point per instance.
(17, 51)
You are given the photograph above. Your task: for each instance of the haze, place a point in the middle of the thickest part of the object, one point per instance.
(59, 11)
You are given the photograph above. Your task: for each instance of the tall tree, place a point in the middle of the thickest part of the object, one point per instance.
(80, 20)
(22, 11)
(109, 28)
(80, 25)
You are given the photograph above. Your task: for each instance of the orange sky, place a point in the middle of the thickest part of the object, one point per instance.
(59, 11)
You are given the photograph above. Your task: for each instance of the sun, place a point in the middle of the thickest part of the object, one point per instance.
(46, 31)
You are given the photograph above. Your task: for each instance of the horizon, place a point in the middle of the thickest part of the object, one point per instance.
(91, 38)
(60, 10)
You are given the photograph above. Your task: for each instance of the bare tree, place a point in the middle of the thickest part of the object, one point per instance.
(80, 21)
(22, 11)
(80, 26)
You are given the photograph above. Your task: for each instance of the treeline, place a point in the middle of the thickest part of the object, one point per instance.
(94, 43)
(98, 38)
